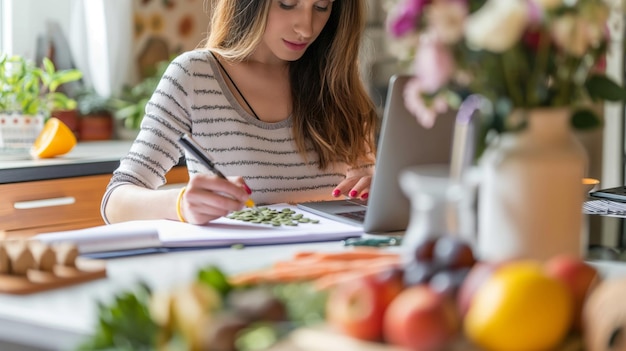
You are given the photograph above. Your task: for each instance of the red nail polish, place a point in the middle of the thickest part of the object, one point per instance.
(353, 193)
(336, 192)
(245, 187)
(365, 196)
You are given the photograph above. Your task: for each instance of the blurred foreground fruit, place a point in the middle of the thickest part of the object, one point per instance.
(356, 308)
(55, 139)
(519, 308)
(453, 253)
(421, 319)
(579, 276)
(441, 262)
(604, 317)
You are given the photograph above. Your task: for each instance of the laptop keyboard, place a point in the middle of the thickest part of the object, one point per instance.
(355, 215)
(359, 202)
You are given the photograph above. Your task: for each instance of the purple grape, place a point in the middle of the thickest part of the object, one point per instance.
(453, 253)
(424, 250)
(448, 281)
(418, 272)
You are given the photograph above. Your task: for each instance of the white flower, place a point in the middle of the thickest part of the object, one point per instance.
(498, 25)
(576, 34)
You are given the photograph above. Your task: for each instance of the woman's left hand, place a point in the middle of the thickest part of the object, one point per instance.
(354, 187)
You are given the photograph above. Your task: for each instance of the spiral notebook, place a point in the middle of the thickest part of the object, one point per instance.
(128, 238)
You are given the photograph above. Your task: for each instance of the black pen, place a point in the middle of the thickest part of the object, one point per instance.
(192, 146)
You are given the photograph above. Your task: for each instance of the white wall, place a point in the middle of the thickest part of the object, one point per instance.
(27, 20)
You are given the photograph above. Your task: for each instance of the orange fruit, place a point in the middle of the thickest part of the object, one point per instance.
(520, 308)
(55, 139)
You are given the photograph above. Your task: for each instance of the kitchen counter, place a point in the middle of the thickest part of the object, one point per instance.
(87, 158)
(64, 192)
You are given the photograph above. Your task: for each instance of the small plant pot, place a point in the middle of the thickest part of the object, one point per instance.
(17, 135)
(95, 127)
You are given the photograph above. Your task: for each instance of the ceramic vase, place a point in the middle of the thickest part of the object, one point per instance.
(530, 199)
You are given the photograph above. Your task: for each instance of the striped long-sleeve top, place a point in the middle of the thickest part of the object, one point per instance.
(193, 97)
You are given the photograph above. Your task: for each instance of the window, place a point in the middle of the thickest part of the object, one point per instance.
(18, 36)
(4, 24)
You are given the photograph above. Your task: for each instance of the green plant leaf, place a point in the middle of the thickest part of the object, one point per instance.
(63, 77)
(215, 278)
(59, 101)
(48, 65)
(600, 87)
(585, 119)
(124, 324)
(28, 89)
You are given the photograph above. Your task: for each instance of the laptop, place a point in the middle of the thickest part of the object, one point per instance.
(402, 143)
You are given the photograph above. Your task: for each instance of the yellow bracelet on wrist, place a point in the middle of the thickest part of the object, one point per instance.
(179, 199)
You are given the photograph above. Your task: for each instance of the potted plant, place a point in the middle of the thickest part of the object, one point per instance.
(28, 96)
(95, 114)
(133, 100)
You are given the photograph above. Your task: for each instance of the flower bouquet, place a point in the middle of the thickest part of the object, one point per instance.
(519, 54)
(540, 66)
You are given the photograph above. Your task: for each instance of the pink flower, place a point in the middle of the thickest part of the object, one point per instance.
(433, 65)
(536, 13)
(425, 112)
(404, 17)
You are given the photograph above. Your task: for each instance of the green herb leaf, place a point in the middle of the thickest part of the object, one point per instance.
(124, 324)
(215, 278)
(257, 337)
(600, 87)
(585, 119)
(305, 305)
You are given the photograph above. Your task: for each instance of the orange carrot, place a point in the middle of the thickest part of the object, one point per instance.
(321, 266)
(283, 275)
(303, 254)
(329, 281)
(246, 278)
(357, 253)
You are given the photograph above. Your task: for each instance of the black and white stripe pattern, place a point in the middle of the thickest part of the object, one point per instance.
(192, 98)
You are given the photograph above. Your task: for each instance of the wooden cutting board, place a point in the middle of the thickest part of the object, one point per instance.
(36, 281)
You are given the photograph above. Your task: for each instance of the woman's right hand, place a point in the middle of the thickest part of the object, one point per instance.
(208, 197)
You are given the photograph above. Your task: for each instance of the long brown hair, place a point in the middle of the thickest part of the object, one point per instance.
(331, 108)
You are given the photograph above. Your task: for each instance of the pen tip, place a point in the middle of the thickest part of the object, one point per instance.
(249, 203)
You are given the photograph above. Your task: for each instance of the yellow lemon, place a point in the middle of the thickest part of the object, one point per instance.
(55, 139)
(519, 308)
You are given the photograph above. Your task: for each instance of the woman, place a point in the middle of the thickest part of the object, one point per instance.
(275, 98)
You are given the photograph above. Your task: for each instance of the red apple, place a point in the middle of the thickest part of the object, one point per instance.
(421, 319)
(579, 276)
(356, 308)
